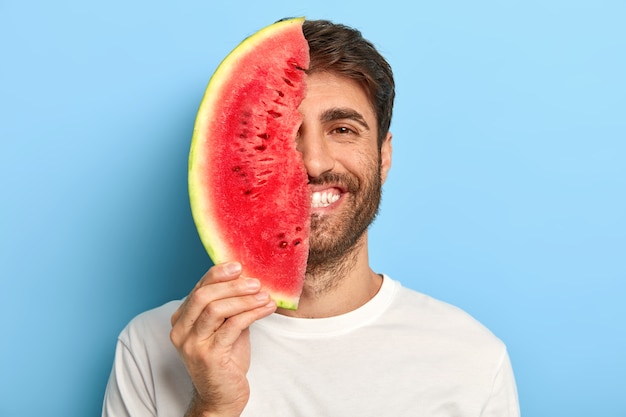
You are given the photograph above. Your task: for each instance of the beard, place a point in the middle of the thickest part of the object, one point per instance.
(335, 238)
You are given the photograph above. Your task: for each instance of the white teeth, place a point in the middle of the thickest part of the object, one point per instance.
(323, 199)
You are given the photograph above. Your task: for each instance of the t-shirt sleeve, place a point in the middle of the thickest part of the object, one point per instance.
(503, 401)
(127, 394)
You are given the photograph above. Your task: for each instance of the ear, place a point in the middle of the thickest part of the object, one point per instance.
(385, 156)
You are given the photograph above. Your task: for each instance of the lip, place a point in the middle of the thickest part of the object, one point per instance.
(314, 188)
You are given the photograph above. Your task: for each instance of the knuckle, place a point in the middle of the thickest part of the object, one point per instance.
(187, 349)
(175, 337)
(213, 310)
(174, 318)
(239, 323)
(200, 296)
(210, 275)
(242, 286)
(238, 285)
(215, 274)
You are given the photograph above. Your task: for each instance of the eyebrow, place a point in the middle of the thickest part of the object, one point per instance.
(338, 113)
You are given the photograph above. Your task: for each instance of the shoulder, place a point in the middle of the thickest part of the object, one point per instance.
(148, 374)
(461, 351)
(150, 327)
(441, 320)
(146, 343)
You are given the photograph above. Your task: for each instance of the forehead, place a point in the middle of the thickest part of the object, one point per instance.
(327, 90)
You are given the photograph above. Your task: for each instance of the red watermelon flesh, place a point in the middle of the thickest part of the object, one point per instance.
(247, 183)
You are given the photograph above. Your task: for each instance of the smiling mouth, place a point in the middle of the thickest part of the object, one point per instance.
(321, 199)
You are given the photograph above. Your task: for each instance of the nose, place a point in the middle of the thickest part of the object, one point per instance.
(316, 154)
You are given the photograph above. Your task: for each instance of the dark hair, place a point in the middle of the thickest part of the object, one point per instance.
(343, 50)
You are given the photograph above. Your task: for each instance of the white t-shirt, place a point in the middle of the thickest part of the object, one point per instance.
(401, 354)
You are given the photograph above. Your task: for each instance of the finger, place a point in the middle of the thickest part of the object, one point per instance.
(202, 298)
(232, 328)
(227, 310)
(218, 273)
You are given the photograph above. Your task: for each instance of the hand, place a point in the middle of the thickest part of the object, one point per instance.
(210, 332)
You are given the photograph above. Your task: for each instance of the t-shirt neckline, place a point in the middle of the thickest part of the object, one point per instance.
(337, 324)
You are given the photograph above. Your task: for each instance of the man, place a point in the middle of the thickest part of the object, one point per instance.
(359, 344)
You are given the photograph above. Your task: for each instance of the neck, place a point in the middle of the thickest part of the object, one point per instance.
(331, 290)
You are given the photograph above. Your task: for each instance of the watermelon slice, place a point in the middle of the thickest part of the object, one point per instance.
(247, 183)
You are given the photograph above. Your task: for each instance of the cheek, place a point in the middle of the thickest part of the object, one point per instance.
(366, 167)
(359, 158)
(369, 161)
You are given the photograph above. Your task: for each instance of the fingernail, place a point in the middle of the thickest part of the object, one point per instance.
(232, 268)
(252, 283)
(261, 296)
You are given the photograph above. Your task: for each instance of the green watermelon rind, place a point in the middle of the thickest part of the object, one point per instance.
(209, 230)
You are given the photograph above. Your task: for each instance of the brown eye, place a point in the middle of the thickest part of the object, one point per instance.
(343, 130)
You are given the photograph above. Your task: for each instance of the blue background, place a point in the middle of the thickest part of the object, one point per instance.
(506, 197)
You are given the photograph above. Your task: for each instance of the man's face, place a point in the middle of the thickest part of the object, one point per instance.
(338, 141)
